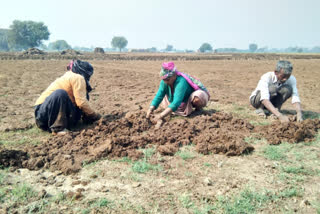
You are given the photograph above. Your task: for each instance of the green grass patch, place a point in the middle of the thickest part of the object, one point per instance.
(260, 122)
(315, 142)
(59, 198)
(207, 164)
(103, 202)
(186, 201)
(292, 191)
(123, 160)
(22, 192)
(277, 152)
(185, 155)
(248, 201)
(291, 179)
(148, 153)
(301, 170)
(21, 137)
(2, 176)
(243, 111)
(186, 152)
(38, 206)
(2, 194)
(316, 205)
(311, 115)
(253, 139)
(143, 166)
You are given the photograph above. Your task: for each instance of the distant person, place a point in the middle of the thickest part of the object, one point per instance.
(178, 92)
(273, 89)
(66, 99)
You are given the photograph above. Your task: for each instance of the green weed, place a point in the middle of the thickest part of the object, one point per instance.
(84, 211)
(103, 202)
(291, 192)
(22, 192)
(123, 160)
(260, 122)
(37, 206)
(278, 152)
(291, 179)
(186, 152)
(2, 177)
(59, 198)
(316, 205)
(188, 174)
(148, 153)
(185, 155)
(2, 194)
(207, 164)
(254, 139)
(248, 201)
(21, 137)
(143, 167)
(186, 201)
(301, 170)
(311, 115)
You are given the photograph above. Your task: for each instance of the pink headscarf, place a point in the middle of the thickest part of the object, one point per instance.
(168, 65)
(167, 70)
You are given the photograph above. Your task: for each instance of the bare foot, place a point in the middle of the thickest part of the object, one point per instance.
(260, 113)
(62, 132)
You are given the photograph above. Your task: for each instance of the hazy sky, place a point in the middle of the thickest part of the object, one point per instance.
(185, 24)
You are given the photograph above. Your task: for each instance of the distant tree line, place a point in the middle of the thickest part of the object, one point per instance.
(253, 48)
(22, 35)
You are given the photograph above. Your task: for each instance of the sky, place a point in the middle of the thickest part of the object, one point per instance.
(185, 24)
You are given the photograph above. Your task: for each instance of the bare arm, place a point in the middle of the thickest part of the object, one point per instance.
(166, 112)
(274, 111)
(271, 108)
(297, 106)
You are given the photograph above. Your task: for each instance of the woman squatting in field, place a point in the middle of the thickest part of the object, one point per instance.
(66, 99)
(178, 92)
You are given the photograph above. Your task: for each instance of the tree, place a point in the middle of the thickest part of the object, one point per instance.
(4, 40)
(119, 42)
(253, 47)
(205, 47)
(27, 34)
(153, 49)
(315, 49)
(59, 45)
(169, 48)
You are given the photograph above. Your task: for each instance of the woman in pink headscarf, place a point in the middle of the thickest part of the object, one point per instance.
(178, 92)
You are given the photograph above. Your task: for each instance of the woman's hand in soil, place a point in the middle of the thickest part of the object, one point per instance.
(149, 112)
(157, 118)
(158, 124)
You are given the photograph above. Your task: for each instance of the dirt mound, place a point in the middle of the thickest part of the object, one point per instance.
(117, 135)
(98, 50)
(12, 158)
(33, 51)
(120, 135)
(292, 132)
(70, 52)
